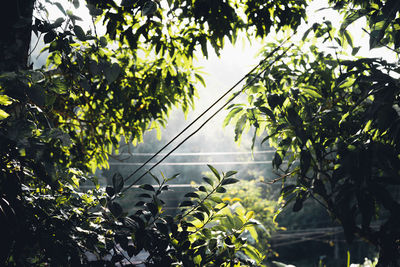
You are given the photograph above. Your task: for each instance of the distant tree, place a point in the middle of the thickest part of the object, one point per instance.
(334, 121)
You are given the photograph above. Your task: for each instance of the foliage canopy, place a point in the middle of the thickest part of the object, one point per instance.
(100, 84)
(334, 121)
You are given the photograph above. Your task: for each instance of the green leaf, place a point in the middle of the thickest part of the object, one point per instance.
(110, 191)
(207, 233)
(176, 175)
(57, 23)
(298, 205)
(214, 171)
(162, 227)
(5, 100)
(127, 3)
(229, 181)
(192, 194)
(93, 11)
(230, 173)
(49, 37)
(208, 181)
(305, 161)
(185, 246)
(37, 95)
(231, 115)
(306, 34)
(115, 209)
(216, 199)
(60, 7)
(152, 208)
(94, 68)
(374, 38)
(199, 215)
(240, 126)
(112, 72)
(252, 252)
(348, 37)
(165, 188)
(3, 114)
(355, 50)
(268, 112)
(353, 16)
(200, 79)
(80, 34)
(149, 8)
(154, 178)
(118, 182)
(203, 44)
(186, 203)
(293, 117)
(311, 91)
(73, 17)
(346, 83)
(202, 189)
(147, 187)
(277, 161)
(220, 190)
(76, 3)
(103, 41)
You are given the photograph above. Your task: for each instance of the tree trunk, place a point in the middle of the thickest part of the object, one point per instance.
(15, 38)
(15, 30)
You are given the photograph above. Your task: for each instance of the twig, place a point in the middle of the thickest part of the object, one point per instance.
(279, 178)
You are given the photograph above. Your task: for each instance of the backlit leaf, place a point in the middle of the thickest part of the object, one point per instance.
(214, 171)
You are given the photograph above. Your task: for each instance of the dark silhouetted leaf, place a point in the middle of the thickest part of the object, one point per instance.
(202, 189)
(149, 8)
(147, 187)
(49, 37)
(198, 215)
(229, 181)
(186, 203)
(305, 161)
(162, 227)
(118, 182)
(110, 191)
(152, 208)
(115, 209)
(208, 181)
(277, 161)
(112, 72)
(221, 190)
(80, 34)
(192, 194)
(298, 205)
